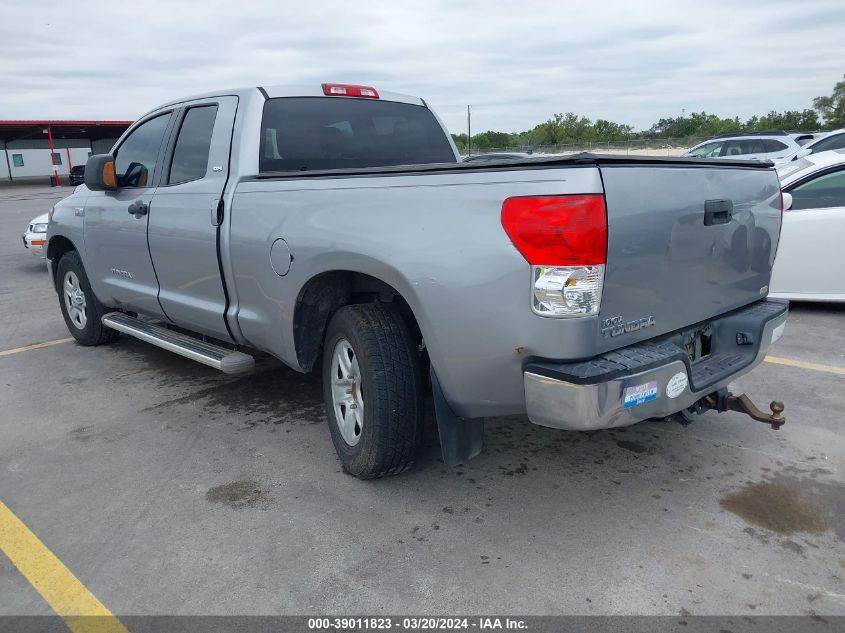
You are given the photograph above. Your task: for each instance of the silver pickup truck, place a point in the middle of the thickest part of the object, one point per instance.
(335, 226)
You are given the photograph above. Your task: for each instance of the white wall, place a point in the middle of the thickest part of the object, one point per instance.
(36, 156)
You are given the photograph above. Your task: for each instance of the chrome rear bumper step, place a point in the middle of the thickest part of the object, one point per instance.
(226, 360)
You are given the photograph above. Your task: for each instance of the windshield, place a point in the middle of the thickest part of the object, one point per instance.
(708, 150)
(791, 167)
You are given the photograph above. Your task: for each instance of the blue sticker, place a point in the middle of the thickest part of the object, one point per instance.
(640, 394)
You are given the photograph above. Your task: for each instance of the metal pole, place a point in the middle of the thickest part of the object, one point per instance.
(469, 131)
(69, 161)
(53, 156)
(8, 164)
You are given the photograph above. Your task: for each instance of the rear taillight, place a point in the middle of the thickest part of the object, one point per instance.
(558, 230)
(349, 90)
(564, 238)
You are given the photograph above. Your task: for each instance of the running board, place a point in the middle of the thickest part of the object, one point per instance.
(226, 360)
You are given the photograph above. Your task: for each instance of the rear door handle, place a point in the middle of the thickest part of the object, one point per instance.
(217, 213)
(718, 212)
(138, 208)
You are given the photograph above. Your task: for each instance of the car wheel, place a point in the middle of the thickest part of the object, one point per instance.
(373, 389)
(80, 308)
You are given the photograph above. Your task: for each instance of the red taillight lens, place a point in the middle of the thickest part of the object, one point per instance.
(558, 230)
(350, 90)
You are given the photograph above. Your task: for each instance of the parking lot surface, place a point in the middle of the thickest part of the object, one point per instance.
(169, 488)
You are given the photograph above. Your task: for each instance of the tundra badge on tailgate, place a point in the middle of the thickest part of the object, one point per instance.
(614, 326)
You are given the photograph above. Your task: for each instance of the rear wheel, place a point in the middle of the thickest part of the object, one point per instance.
(373, 389)
(80, 308)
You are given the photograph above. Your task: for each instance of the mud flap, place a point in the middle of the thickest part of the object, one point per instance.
(461, 439)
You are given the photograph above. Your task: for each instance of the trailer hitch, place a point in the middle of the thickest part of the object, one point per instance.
(723, 400)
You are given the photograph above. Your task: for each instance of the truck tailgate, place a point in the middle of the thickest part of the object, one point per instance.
(686, 243)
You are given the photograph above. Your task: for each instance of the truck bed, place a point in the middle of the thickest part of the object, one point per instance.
(434, 234)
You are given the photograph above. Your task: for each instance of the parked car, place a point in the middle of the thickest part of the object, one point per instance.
(749, 146)
(77, 175)
(810, 256)
(338, 222)
(824, 143)
(493, 156)
(35, 236)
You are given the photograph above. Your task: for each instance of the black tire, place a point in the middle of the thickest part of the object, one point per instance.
(92, 331)
(391, 390)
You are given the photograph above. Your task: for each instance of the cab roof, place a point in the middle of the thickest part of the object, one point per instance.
(271, 92)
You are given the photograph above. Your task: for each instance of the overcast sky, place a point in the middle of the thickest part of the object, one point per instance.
(515, 62)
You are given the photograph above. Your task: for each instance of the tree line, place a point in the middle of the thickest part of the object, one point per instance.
(828, 112)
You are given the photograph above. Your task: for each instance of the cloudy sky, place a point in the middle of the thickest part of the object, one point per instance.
(515, 62)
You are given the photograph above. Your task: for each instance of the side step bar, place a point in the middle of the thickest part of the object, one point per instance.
(226, 360)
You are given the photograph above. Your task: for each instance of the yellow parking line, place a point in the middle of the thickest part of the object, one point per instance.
(830, 369)
(68, 597)
(26, 348)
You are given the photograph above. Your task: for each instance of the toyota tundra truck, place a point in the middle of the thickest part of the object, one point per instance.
(335, 227)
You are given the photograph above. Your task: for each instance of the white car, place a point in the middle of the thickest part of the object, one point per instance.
(824, 143)
(748, 146)
(36, 236)
(811, 256)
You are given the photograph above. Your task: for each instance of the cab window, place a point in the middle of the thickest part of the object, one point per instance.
(135, 159)
(190, 156)
(821, 192)
(307, 133)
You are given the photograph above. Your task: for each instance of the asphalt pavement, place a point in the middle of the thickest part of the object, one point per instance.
(168, 488)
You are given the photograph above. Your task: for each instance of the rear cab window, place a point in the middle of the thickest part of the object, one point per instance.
(315, 133)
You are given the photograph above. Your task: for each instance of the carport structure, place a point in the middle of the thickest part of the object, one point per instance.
(49, 148)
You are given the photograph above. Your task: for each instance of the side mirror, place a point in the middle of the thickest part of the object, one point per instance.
(99, 173)
(787, 201)
(804, 151)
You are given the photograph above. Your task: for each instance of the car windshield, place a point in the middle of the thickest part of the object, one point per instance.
(791, 167)
(708, 150)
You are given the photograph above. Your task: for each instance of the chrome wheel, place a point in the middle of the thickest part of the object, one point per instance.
(347, 398)
(75, 300)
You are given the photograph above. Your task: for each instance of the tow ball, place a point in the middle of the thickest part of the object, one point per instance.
(723, 400)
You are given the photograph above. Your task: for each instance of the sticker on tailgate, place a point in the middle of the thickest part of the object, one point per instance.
(640, 394)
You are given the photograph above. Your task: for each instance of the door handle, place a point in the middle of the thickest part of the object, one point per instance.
(138, 208)
(718, 212)
(217, 213)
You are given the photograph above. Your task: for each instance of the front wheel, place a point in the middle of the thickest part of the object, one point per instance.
(80, 308)
(373, 389)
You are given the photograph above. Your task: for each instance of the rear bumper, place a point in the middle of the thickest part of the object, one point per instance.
(652, 379)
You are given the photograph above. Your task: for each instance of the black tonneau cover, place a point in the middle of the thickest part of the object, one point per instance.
(583, 159)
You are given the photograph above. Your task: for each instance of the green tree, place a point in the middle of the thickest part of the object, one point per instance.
(460, 141)
(832, 108)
